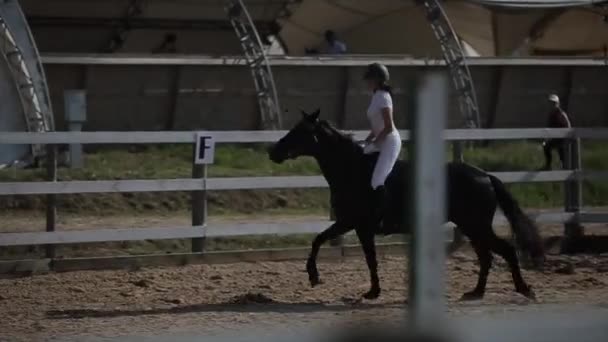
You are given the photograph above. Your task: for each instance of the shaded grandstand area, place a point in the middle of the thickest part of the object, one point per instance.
(489, 28)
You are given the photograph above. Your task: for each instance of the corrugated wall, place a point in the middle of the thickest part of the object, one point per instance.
(223, 97)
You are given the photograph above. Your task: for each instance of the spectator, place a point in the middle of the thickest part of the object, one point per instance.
(557, 119)
(333, 47)
(116, 42)
(169, 44)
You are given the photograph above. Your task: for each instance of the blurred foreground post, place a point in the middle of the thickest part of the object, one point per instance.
(427, 256)
(573, 193)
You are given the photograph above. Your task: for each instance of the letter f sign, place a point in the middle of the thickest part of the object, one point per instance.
(205, 148)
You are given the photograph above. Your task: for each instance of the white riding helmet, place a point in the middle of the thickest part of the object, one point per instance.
(554, 98)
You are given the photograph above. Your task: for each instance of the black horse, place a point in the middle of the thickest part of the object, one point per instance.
(473, 196)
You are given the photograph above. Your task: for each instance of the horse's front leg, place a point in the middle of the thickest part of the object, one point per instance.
(366, 238)
(330, 233)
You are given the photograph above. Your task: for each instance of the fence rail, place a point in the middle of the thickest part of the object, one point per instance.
(232, 230)
(245, 183)
(572, 214)
(164, 137)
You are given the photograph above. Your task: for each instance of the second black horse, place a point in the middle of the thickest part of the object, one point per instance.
(472, 198)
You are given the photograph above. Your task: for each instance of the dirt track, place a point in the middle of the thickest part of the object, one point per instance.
(210, 297)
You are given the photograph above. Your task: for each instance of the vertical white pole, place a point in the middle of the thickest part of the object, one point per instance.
(429, 189)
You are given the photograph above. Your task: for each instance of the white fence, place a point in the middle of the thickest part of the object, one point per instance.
(572, 177)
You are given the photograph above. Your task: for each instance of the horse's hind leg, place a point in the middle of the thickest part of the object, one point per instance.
(480, 245)
(330, 233)
(366, 237)
(507, 251)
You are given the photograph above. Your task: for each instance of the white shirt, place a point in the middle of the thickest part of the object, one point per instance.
(380, 100)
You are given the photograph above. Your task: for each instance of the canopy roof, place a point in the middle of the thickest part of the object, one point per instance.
(488, 27)
(263, 10)
(538, 3)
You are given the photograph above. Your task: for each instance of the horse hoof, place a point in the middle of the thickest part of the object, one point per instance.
(528, 293)
(473, 295)
(314, 279)
(315, 282)
(313, 274)
(372, 294)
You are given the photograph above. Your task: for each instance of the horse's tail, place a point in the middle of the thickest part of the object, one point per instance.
(526, 231)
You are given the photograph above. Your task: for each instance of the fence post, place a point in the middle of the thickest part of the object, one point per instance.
(573, 193)
(199, 206)
(51, 199)
(75, 116)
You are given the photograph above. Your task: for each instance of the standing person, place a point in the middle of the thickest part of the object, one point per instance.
(168, 45)
(557, 118)
(383, 137)
(333, 45)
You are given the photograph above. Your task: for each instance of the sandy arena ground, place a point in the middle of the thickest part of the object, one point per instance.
(215, 298)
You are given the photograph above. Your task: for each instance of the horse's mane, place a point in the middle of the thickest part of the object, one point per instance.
(344, 144)
(337, 134)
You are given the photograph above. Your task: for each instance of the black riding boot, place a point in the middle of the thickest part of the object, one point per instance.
(379, 196)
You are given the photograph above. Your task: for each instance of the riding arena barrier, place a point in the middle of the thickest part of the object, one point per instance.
(572, 216)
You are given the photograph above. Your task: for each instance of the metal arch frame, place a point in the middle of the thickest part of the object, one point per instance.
(21, 55)
(455, 59)
(255, 55)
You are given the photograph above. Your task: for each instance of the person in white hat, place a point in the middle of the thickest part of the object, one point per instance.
(557, 119)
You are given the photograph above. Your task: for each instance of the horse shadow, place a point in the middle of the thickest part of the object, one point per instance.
(226, 307)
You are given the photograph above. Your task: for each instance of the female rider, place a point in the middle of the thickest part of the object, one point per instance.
(383, 137)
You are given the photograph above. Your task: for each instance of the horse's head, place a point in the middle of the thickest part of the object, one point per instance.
(301, 140)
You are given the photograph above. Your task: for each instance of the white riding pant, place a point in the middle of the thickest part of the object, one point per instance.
(389, 150)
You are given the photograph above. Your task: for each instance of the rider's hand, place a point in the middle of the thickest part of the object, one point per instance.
(369, 148)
